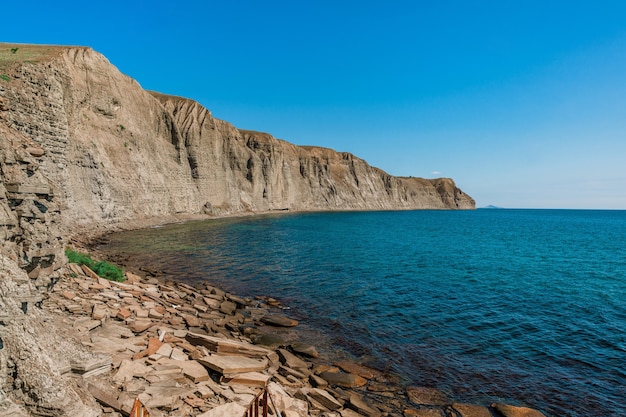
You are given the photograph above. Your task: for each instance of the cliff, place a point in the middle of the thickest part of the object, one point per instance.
(84, 146)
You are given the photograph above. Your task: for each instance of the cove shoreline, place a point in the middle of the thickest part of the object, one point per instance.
(397, 390)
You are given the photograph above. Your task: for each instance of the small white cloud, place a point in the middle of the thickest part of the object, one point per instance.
(436, 173)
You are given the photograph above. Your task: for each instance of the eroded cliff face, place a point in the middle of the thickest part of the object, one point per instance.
(113, 152)
(84, 146)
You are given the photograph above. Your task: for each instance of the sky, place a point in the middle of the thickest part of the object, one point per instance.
(522, 103)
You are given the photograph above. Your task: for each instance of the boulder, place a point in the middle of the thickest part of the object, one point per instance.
(512, 411)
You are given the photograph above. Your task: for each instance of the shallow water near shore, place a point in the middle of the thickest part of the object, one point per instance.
(524, 306)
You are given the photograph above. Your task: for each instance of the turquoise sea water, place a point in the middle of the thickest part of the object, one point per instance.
(524, 306)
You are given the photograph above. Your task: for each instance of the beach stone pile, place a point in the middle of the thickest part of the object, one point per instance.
(186, 351)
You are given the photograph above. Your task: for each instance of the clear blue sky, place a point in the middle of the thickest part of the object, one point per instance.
(523, 103)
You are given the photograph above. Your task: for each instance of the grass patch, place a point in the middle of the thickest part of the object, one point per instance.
(102, 268)
(19, 53)
(5, 77)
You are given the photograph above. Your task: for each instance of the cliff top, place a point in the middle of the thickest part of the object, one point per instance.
(11, 53)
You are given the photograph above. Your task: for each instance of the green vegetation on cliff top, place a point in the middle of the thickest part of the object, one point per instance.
(18, 53)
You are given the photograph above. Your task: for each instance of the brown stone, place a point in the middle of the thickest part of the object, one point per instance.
(154, 344)
(279, 321)
(141, 325)
(231, 365)
(512, 411)
(89, 272)
(132, 278)
(343, 379)
(424, 412)
(123, 313)
(248, 379)
(194, 401)
(426, 396)
(226, 346)
(324, 398)
(304, 349)
(471, 410)
(356, 403)
(192, 321)
(69, 295)
(358, 369)
(289, 359)
(194, 371)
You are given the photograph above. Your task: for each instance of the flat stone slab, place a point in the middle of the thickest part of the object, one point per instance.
(271, 341)
(343, 379)
(324, 398)
(249, 379)
(304, 349)
(231, 365)
(512, 411)
(194, 371)
(226, 410)
(226, 346)
(426, 396)
(291, 360)
(358, 369)
(471, 410)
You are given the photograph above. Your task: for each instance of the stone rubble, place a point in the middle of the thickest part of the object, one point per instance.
(187, 351)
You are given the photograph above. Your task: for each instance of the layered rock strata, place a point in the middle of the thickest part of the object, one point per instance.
(85, 146)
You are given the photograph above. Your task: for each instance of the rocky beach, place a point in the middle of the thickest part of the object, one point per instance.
(84, 150)
(198, 351)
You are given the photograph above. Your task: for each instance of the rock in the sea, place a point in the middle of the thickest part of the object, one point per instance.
(426, 396)
(270, 341)
(512, 411)
(471, 410)
(279, 321)
(343, 379)
(304, 349)
(358, 369)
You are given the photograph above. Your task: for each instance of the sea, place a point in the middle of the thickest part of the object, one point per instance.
(525, 306)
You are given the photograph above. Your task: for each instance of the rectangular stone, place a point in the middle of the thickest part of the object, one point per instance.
(231, 365)
(194, 371)
(227, 346)
(248, 379)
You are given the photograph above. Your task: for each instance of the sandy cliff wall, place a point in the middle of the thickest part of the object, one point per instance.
(99, 149)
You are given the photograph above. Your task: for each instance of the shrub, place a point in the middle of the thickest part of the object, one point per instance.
(5, 77)
(79, 258)
(103, 268)
(109, 271)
